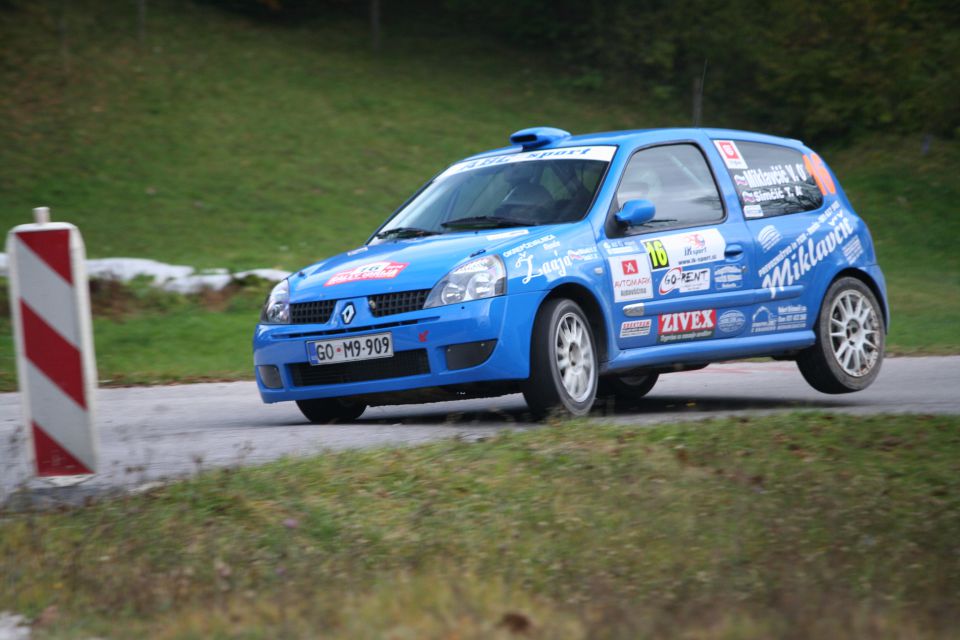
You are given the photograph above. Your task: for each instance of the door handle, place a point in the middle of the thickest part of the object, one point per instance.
(733, 251)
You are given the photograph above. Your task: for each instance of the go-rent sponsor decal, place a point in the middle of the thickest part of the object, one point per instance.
(728, 276)
(731, 322)
(635, 328)
(800, 256)
(684, 281)
(602, 153)
(730, 154)
(687, 325)
(683, 249)
(372, 271)
(631, 277)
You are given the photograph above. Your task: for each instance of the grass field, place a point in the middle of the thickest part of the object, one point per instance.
(796, 526)
(225, 143)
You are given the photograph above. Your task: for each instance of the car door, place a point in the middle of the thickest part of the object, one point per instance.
(672, 277)
(781, 192)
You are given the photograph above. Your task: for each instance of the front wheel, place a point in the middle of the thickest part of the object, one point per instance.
(330, 410)
(850, 340)
(563, 361)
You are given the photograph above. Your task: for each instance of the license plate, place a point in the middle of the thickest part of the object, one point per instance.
(377, 345)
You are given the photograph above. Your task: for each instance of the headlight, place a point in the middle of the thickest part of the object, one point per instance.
(481, 278)
(276, 310)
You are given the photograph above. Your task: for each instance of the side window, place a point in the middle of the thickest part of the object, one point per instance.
(771, 180)
(677, 179)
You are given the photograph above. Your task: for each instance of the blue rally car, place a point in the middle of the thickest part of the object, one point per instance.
(572, 267)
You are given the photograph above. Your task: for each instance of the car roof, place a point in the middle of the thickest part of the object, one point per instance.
(639, 137)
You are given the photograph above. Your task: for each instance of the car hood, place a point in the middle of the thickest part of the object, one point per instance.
(401, 265)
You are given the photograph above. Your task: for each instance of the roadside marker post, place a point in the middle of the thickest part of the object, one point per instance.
(56, 366)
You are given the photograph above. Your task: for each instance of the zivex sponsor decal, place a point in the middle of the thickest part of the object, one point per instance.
(730, 154)
(631, 277)
(800, 256)
(372, 271)
(687, 325)
(683, 249)
(684, 281)
(728, 276)
(635, 328)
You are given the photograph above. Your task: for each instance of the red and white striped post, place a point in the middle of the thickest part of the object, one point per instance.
(56, 367)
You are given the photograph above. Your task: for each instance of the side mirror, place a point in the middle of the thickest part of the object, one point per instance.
(636, 212)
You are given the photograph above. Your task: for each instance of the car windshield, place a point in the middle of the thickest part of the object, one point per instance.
(523, 189)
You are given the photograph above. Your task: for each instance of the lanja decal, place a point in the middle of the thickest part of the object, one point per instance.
(386, 270)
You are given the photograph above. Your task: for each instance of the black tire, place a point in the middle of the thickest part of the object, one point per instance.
(545, 391)
(330, 410)
(626, 391)
(848, 360)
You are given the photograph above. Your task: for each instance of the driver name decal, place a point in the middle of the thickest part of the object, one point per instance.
(385, 270)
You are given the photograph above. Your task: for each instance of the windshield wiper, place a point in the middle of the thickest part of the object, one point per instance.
(481, 222)
(405, 232)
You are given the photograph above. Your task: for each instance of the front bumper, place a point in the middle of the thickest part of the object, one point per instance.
(420, 343)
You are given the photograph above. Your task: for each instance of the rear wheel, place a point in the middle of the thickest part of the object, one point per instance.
(330, 410)
(850, 340)
(627, 391)
(563, 361)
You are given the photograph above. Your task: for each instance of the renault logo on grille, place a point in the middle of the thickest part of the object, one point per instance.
(347, 314)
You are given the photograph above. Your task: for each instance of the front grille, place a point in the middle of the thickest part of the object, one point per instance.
(386, 304)
(311, 312)
(403, 363)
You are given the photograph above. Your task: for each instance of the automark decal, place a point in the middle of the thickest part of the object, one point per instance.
(631, 277)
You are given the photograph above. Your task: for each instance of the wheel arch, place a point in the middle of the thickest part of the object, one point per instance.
(866, 279)
(591, 306)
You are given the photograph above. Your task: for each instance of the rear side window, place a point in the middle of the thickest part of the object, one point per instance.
(771, 180)
(677, 180)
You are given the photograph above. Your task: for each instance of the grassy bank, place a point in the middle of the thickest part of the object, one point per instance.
(221, 142)
(790, 526)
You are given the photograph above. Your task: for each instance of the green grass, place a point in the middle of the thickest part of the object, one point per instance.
(792, 526)
(228, 143)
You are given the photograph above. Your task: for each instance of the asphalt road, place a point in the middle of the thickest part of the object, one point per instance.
(149, 433)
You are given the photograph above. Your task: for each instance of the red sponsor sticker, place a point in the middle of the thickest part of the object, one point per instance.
(629, 267)
(371, 271)
(686, 321)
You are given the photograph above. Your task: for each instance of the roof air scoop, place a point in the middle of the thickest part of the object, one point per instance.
(535, 137)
